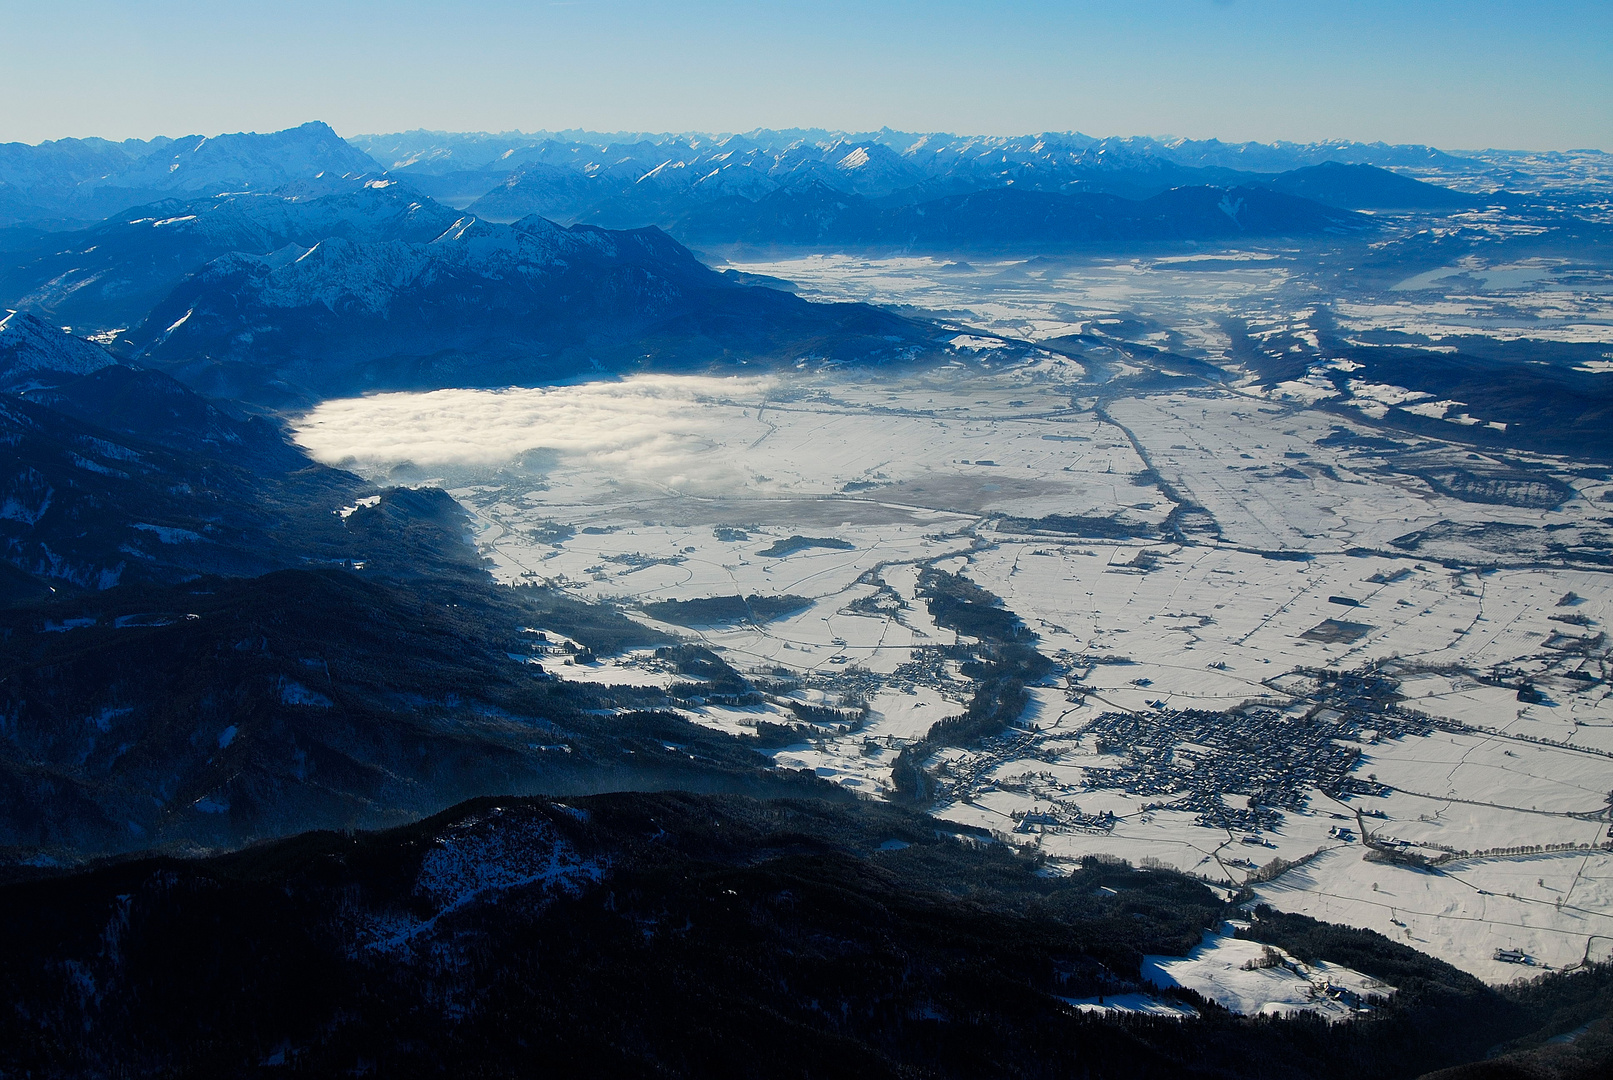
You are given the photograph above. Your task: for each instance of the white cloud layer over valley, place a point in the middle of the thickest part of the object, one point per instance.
(661, 427)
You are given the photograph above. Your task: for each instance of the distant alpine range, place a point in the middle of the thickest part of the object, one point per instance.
(290, 266)
(625, 180)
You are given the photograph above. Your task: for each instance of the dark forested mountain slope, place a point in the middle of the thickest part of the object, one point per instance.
(153, 690)
(1367, 187)
(221, 711)
(145, 699)
(682, 935)
(124, 475)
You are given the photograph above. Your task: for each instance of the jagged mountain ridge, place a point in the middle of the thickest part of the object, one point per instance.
(927, 191)
(486, 304)
(108, 276)
(898, 166)
(29, 345)
(282, 298)
(646, 183)
(678, 181)
(441, 153)
(88, 179)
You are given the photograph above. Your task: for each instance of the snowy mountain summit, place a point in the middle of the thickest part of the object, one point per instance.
(28, 343)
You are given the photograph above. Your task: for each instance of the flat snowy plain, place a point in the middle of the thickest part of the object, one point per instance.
(1253, 661)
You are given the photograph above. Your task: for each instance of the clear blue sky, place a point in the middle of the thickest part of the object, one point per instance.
(1468, 74)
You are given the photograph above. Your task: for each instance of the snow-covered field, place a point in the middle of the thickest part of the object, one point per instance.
(1047, 298)
(1555, 908)
(1279, 636)
(1178, 301)
(1253, 979)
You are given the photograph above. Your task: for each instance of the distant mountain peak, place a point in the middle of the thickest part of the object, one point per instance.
(1358, 186)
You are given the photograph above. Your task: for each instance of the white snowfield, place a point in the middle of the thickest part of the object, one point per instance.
(1553, 908)
(1274, 632)
(1254, 979)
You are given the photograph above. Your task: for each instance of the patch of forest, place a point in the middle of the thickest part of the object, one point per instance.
(720, 610)
(682, 935)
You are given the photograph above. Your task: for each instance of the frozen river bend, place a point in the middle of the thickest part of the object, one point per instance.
(1361, 671)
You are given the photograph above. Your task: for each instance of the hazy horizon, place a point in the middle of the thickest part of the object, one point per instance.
(1466, 75)
(625, 135)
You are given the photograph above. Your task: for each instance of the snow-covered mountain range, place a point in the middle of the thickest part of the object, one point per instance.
(618, 178)
(482, 304)
(111, 274)
(886, 164)
(293, 265)
(86, 179)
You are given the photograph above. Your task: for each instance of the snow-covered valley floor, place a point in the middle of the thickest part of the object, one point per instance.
(1253, 662)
